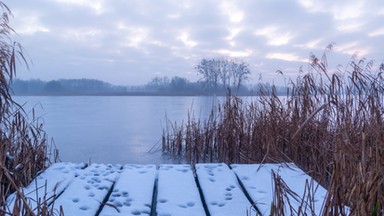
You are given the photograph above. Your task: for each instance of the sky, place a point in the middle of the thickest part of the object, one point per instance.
(129, 42)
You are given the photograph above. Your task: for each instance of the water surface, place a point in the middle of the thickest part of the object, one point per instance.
(112, 129)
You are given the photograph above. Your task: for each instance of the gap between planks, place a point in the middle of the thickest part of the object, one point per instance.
(204, 170)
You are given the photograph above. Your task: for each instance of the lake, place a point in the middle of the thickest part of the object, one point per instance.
(112, 129)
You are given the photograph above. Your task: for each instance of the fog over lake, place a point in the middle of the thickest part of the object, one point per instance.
(112, 129)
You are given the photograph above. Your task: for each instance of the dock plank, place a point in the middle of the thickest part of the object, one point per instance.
(257, 180)
(221, 189)
(86, 193)
(48, 184)
(133, 191)
(217, 189)
(177, 192)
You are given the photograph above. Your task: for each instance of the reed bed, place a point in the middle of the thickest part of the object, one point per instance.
(329, 123)
(24, 151)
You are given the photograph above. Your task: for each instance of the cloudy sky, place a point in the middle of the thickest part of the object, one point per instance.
(131, 41)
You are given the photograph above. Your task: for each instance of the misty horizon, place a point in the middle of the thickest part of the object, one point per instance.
(130, 42)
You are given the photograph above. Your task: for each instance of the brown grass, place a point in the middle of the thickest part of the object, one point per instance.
(23, 145)
(330, 123)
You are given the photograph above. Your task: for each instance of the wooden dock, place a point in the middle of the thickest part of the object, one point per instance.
(168, 190)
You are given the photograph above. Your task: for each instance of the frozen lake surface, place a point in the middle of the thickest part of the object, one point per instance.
(112, 129)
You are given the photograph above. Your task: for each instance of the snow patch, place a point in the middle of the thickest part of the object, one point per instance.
(177, 192)
(132, 192)
(86, 193)
(48, 184)
(257, 180)
(221, 190)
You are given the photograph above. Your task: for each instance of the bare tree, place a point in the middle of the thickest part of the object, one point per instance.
(223, 73)
(240, 72)
(206, 67)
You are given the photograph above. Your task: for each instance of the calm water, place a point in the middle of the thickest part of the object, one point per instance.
(112, 129)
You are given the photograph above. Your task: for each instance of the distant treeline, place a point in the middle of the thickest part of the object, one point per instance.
(217, 77)
(157, 86)
(64, 87)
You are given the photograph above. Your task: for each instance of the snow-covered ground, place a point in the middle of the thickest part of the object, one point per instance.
(177, 192)
(131, 190)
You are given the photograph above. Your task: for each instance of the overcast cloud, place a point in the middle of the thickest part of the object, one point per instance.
(131, 41)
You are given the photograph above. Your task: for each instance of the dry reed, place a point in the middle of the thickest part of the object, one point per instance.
(23, 145)
(330, 123)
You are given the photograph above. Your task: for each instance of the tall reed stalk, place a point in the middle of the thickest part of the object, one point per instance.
(23, 145)
(330, 123)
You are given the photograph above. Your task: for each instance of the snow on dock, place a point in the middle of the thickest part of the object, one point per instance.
(257, 180)
(221, 190)
(133, 191)
(167, 190)
(51, 182)
(177, 192)
(86, 193)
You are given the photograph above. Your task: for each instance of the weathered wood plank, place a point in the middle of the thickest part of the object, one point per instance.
(133, 191)
(221, 189)
(177, 192)
(48, 184)
(257, 180)
(86, 193)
